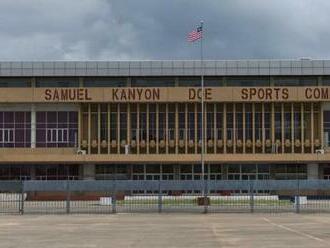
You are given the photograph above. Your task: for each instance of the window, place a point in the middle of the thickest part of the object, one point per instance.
(215, 172)
(295, 81)
(213, 81)
(15, 82)
(7, 135)
(152, 122)
(104, 82)
(58, 135)
(57, 129)
(143, 122)
(258, 121)
(210, 121)
(15, 172)
(57, 82)
(123, 121)
(326, 123)
(267, 121)
(171, 121)
(289, 171)
(153, 82)
(230, 120)
(168, 172)
(181, 116)
(162, 122)
(15, 129)
(190, 82)
(248, 122)
(239, 122)
(196, 81)
(152, 172)
(191, 122)
(186, 172)
(111, 172)
(56, 172)
(219, 120)
(133, 121)
(247, 81)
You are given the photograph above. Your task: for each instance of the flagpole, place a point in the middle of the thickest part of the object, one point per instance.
(202, 104)
(202, 120)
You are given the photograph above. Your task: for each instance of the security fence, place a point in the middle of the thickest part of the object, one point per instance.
(113, 196)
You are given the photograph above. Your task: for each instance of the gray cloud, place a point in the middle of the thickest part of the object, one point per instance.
(157, 29)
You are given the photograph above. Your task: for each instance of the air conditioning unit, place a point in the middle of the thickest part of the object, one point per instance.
(81, 152)
(319, 151)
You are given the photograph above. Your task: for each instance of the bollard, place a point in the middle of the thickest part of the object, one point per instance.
(251, 198)
(297, 199)
(160, 200)
(251, 201)
(68, 198)
(297, 203)
(114, 203)
(206, 200)
(21, 203)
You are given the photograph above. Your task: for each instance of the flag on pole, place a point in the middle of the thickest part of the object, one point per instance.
(195, 34)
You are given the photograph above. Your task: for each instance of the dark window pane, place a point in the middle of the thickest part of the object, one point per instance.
(19, 117)
(15, 82)
(153, 82)
(57, 82)
(62, 117)
(9, 117)
(248, 81)
(51, 117)
(104, 82)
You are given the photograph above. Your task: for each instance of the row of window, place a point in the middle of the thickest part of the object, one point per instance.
(53, 129)
(157, 172)
(39, 172)
(167, 81)
(194, 172)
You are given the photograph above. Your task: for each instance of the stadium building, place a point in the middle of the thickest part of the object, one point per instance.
(141, 120)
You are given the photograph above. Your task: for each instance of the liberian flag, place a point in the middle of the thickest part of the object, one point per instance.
(195, 34)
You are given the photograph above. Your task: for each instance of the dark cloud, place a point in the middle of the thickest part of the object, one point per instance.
(157, 29)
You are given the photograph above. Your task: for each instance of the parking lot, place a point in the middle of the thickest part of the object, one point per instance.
(165, 230)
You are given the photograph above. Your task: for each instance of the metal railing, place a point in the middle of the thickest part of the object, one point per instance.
(112, 196)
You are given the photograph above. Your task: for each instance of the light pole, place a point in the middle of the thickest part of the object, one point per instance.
(204, 191)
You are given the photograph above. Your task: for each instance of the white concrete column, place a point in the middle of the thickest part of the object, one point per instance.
(33, 126)
(312, 171)
(88, 172)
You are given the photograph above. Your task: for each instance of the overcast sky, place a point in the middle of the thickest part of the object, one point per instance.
(157, 29)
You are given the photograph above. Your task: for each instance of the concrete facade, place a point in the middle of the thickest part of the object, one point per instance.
(272, 122)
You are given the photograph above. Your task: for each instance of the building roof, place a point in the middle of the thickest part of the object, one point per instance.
(166, 68)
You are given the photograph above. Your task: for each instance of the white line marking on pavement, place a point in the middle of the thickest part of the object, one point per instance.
(9, 224)
(294, 231)
(216, 235)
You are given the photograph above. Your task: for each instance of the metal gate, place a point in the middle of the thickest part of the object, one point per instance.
(11, 197)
